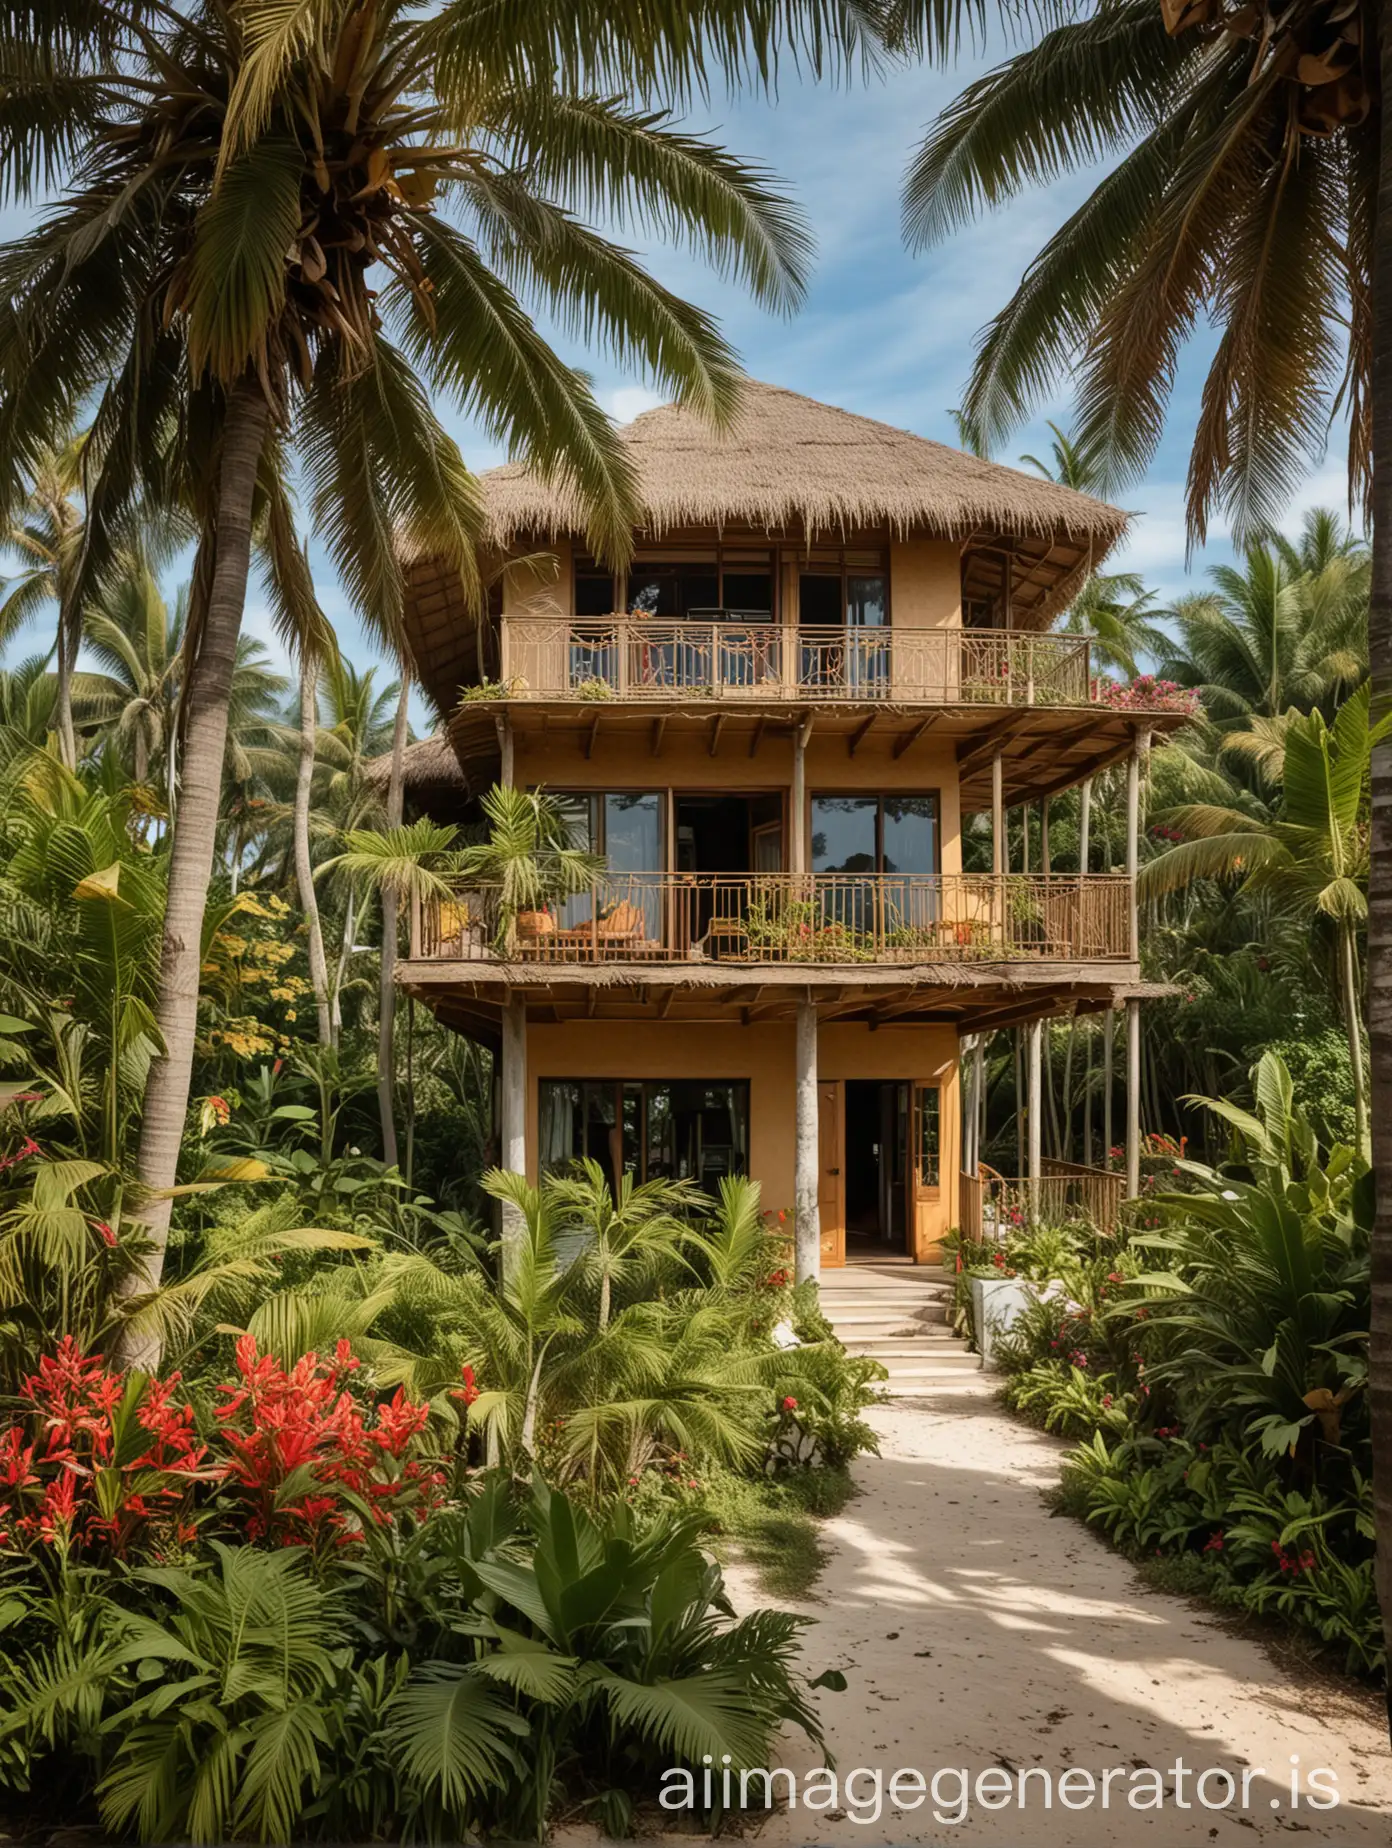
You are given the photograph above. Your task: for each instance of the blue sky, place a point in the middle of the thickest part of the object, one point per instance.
(882, 332)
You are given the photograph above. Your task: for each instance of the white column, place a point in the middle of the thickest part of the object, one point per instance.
(1034, 1033)
(806, 1155)
(513, 1112)
(1133, 1099)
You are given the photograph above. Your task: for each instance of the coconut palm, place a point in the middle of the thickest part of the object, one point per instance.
(1247, 157)
(281, 228)
(1312, 859)
(1287, 629)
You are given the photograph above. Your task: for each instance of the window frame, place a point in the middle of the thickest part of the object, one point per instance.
(617, 1087)
(879, 798)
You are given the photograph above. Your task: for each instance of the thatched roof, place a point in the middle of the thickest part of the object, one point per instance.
(430, 763)
(790, 462)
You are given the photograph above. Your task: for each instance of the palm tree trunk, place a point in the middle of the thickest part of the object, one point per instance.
(1353, 1007)
(386, 993)
(1380, 874)
(304, 866)
(62, 704)
(351, 925)
(195, 842)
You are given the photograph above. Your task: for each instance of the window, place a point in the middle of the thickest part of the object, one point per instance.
(694, 1129)
(875, 834)
(594, 591)
(846, 591)
(928, 1139)
(629, 829)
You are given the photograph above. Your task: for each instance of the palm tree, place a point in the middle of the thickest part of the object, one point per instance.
(1249, 161)
(1311, 859)
(1287, 629)
(386, 985)
(46, 532)
(281, 228)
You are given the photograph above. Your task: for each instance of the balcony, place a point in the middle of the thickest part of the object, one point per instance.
(766, 919)
(628, 658)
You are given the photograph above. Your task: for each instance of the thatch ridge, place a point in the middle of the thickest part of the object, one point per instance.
(789, 461)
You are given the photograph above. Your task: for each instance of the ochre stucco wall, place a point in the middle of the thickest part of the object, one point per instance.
(765, 1056)
(925, 584)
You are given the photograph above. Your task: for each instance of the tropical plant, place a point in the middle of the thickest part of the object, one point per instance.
(264, 325)
(527, 859)
(1312, 860)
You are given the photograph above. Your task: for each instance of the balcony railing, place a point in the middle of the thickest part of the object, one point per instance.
(821, 918)
(994, 1205)
(637, 658)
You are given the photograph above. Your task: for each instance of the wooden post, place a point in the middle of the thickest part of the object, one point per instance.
(505, 751)
(999, 857)
(1035, 1042)
(1133, 1099)
(1084, 828)
(1044, 863)
(513, 1120)
(807, 1247)
(797, 805)
(1133, 839)
(1108, 1046)
(978, 1100)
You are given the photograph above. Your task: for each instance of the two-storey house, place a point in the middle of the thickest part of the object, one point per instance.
(832, 644)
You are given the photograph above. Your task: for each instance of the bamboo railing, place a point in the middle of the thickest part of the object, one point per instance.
(991, 1204)
(644, 658)
(820, 918)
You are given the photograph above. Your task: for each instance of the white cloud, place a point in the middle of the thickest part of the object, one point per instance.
(626, 402)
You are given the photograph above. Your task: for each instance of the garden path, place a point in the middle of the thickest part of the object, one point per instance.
(975, 1630)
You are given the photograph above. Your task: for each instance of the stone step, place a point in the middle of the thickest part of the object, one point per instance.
(919, 1293)
(931, 1341)
(940, 1366)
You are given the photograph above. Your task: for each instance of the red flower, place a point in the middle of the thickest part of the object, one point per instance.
(104, 1232)
(790, 1404)
(469, 1391)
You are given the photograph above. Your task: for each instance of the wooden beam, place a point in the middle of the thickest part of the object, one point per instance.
(659, 727)
(861, 732)
(716, 730)
(755, 741)
(593, 734)
(908, 738)
(665, 1006)
(979, 749)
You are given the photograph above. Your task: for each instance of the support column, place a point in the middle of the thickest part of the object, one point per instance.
(1133, 837)
(1108, 1047)
(505, 751)
(1133, 1099)
(978, 1099)
(1084, 828)
(513, 1120)
(1045, 865)
(1034, 1040)
(807, 1250)
(797, 805)
(998, 848)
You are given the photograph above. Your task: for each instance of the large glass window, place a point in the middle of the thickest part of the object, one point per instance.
(927, 1155)
(875, 834)
(628, 828)
(692, 1129)
(845, 834)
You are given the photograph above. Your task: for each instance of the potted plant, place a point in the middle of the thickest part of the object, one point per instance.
(529, 861)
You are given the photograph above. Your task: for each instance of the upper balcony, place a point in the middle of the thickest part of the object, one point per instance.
(769, 665)
(813, 920)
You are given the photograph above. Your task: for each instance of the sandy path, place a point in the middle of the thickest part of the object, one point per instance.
(976, 1631)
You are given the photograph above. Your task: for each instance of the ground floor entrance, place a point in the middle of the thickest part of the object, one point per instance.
(880, 1192)
(698, 1101)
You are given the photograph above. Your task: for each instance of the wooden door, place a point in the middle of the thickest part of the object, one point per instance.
(831, 1193)
(926, 1196)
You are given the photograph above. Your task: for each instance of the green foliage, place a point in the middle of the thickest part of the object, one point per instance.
(1215, 1367)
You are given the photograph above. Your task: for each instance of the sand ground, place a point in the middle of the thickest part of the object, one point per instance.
(975, 1630)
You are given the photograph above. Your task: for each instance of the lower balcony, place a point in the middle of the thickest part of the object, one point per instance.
(762, 919)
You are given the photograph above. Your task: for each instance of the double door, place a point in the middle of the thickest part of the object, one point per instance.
(918, 1165)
